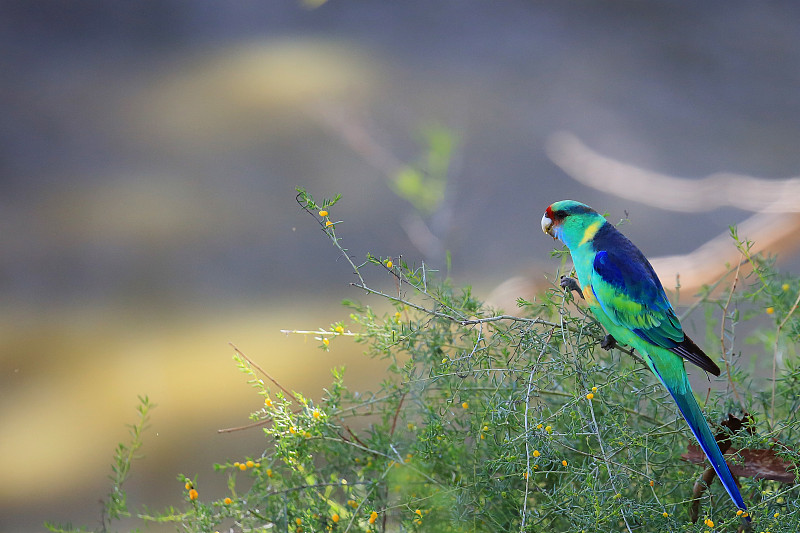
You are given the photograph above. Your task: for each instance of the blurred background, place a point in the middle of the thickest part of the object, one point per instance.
(149, 154)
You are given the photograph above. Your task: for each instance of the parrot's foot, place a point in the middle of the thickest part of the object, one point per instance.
(569, 284)
(608, 343)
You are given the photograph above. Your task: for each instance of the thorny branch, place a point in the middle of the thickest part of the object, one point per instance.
(527, 443)
(775, 351)
(725, 354)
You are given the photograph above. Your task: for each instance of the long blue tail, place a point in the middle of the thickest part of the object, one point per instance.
(697, 423)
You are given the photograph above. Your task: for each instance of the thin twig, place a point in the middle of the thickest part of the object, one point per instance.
(697, 303)
(403, 301)
(527, 441)
(397, 412)
(595, 456)
(252, 363)
(352, 434)
(245, 427)
(775, 351)
(722, 336)
(606, 461)
(330, 231)
(319, 331)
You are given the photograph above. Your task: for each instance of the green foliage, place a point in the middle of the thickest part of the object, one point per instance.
(116, 505)
(423, 183)
(493, 422)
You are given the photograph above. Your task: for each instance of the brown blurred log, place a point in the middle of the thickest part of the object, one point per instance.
(667, 192)
(771, 233)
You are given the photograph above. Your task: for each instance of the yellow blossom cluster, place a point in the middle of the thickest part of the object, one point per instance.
(192, 492)
(247, 464)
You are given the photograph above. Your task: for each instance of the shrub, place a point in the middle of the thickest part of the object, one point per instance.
(494, 422)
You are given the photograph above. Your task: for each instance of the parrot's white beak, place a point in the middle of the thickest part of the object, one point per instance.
(547, 225)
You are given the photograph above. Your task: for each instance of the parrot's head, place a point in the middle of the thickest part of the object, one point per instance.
(569, 221)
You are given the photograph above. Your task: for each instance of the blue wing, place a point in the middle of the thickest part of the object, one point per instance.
(631, 294)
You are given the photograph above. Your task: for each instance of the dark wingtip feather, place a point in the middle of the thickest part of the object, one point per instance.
(692, 353)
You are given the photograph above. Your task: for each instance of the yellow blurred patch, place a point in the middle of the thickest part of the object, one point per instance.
(72, 380)
(249, 90)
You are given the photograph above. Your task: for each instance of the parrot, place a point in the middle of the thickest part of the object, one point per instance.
(625, 295)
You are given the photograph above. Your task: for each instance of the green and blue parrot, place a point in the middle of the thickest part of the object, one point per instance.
(625, 295)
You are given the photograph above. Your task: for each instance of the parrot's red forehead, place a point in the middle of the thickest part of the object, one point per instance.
(549, 212)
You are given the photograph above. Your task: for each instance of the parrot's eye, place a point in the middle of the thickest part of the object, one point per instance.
(555, 216)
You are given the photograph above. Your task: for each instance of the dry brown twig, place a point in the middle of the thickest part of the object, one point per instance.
(253, 364)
